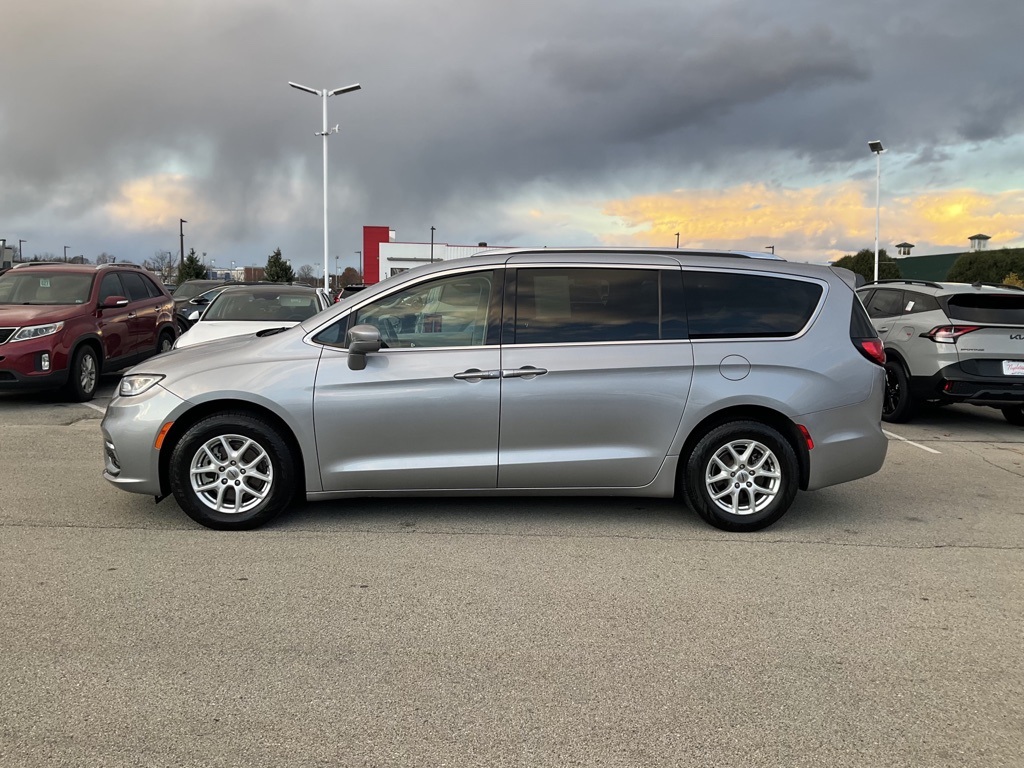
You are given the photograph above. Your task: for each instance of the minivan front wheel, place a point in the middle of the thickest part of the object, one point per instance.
(232, 471)
(741, 476)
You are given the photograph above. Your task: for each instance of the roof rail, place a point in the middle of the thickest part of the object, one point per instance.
(903, 281)
(996, 285)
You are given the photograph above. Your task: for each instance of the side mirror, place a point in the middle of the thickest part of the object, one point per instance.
(194, 315)
(362, 339)
(112, 302)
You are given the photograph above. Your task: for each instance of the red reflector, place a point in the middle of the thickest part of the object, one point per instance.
(872, 349)
(807, 436)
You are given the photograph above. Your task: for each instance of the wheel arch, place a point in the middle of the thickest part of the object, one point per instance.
(759, 413)
(194, 415)
(92, 341)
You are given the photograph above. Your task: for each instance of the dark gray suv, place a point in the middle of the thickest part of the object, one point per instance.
(728, 380)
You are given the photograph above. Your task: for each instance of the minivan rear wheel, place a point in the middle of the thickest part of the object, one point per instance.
(741, 476)
(232, 471)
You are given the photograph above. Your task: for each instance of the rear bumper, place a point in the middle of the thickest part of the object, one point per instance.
(848, 442)
(952, 384)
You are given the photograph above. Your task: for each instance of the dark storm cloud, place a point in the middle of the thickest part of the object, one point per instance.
(465, 104)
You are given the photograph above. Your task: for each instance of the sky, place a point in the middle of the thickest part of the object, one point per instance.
(734, 123)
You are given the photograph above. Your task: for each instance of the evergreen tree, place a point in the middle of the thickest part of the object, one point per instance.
(191, 268)
(278, 270)
(863, 263)
(987, 266)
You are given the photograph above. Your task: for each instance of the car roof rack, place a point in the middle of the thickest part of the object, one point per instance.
(903, 281)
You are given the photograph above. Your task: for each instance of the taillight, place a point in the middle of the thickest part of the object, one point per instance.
(948, 334)
(872, 349)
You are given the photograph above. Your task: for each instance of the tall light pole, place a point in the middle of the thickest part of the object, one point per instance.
(359, 261)
(21, 248)
(432, 245)
(181, 238)
(65, 253)
(677, 239)
(878, 149)
(323, 94)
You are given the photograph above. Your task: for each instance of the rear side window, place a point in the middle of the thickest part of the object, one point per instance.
(914, 303)
(1001, 309)
(885, 302)
(722, 305)
(564, 305)
(111, 286)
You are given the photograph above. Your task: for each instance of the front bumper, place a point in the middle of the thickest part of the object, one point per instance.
(21, 364)
(130, 429)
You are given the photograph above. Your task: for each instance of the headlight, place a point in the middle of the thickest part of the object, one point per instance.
(137, 383)
(35, 331)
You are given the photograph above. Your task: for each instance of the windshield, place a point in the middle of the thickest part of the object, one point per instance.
(189, 290)
(44, 288)
(263, 306)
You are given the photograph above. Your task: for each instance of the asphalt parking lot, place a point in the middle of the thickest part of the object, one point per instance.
(878, 623)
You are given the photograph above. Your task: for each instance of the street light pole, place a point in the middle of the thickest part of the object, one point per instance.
(677, 239)
(359, 255)
(432, 245)
(65, 254)
(878, 149)
(21, 249)
(323, 94)
(181, 237)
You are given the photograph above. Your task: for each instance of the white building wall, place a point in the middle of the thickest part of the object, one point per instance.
(398, 257)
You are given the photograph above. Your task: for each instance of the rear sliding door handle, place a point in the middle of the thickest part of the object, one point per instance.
(526, 372)
(475, 374)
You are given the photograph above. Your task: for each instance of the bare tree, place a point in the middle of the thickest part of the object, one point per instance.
(163, 264)
(306, 275)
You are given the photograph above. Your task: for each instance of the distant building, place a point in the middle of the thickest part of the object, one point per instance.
(979, 242)
(384, 256)
(903, 249)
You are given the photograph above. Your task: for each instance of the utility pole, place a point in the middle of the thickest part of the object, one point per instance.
(431, 245)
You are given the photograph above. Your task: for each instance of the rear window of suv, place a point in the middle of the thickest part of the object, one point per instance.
(722, 305)
(987, 308)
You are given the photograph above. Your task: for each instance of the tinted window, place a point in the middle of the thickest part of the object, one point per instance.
(134, 285)
(151, 286)
(913, 303)
(565, 305)
(1007, 309)
(730, 305)
(263, 306)
(111, 286)
(885, 302)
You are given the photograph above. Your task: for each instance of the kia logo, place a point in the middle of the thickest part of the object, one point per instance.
(1017, 336)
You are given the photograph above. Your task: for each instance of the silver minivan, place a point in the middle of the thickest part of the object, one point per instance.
(726, 380)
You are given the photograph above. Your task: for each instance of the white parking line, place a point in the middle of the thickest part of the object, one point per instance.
(910, 442)
(95, 407)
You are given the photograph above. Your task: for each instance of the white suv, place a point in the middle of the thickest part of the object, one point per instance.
(949, 343)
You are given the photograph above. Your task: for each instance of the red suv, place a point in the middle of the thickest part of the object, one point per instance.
(62, 324)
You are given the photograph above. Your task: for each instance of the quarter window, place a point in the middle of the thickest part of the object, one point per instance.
(731, 305)
(566, 305)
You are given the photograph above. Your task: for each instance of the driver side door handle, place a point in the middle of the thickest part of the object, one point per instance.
(526, 372)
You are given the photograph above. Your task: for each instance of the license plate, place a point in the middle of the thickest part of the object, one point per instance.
(1013, 367)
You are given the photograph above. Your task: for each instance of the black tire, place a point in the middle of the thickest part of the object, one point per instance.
(720, 467)
(258, 497)
(898, 405)
(83, 375)
(1014, 415)
(164, 342)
